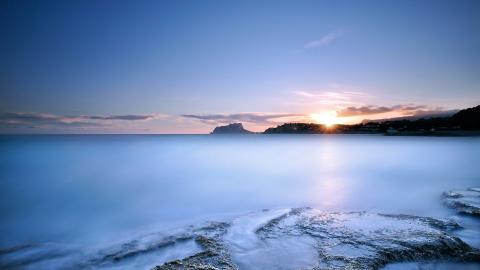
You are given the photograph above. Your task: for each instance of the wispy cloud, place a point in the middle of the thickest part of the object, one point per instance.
(39, 120)
(255, 118)
(325, 40)
(401, 109)
(130, 117)
(327, 94)
(332, 97)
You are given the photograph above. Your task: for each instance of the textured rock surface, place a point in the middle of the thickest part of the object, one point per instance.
(301, 238)
(464, 201)
(355, 240)
(213, 256)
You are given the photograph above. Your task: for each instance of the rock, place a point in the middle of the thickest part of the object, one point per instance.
(464, 201)
(306, 238)
(467, 118)
(300, 238)
(360, 240)
(297, 128)
(236, 128)
(23, 256)
(215, 256)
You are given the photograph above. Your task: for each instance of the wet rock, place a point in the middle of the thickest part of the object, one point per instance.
(301, 238)
(360, 240)
(464, 201)
(306, 238)
(137, 248)
(22, 256)
(142, 252)
(209, 254)
(214, 257)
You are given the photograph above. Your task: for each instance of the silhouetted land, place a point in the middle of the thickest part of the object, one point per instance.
(236, 128)
(463, 123)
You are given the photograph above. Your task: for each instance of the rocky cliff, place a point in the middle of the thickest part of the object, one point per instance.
(236, 128)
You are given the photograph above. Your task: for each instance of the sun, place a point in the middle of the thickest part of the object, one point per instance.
(328, 118)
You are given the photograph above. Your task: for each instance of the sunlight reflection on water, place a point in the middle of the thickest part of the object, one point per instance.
(112, 185)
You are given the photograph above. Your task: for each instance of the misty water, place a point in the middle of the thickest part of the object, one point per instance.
(90, 192)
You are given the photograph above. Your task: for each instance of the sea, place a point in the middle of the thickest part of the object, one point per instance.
(88, 192)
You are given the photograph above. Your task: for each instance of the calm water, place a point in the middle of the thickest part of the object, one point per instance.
(86, 190)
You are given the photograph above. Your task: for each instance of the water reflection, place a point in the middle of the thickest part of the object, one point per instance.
(328, 184)
(115, 184)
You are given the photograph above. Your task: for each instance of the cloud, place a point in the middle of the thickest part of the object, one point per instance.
(34, 120)
(372, 110)
(435, 113)
(256, 118)
(332, 97)
(325, 40)
(328, 94)
(38, 120)
(131, 117)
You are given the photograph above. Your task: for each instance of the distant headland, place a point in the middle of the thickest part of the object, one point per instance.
(235, 128)
(463, 123)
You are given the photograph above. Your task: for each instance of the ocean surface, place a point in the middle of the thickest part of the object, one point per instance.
(94, 190)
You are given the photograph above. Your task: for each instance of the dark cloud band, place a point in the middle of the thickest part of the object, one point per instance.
(258, 118)
(33, 120)
(372, 110)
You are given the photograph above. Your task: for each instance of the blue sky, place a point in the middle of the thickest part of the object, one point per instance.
(186, 66)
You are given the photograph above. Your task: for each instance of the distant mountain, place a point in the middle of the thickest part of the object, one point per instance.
(467, 119)
(457, 123)
(236, 128)
(462, 123)
(296, 128)
(414, 117)
(310, 128)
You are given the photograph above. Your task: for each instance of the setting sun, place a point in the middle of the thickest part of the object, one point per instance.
(328, 118)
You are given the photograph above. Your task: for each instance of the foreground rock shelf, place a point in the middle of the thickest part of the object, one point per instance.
(464, 201)
(310, 239)
(300, 238)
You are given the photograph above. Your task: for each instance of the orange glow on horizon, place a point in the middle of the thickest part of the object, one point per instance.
(328, 118)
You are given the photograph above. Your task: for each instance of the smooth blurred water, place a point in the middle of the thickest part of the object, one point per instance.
(89, 189)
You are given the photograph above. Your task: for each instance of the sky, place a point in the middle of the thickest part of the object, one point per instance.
(187, 66)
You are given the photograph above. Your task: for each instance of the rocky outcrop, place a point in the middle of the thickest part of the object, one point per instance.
(214, 255)
(297, 128)
(300, 238)
(462, 123)
(360, 240)
(464, 201)
(467, 118)
(236, 128)
(306, 238)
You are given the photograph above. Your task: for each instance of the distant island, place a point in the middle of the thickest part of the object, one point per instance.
(463, 123)
(235, 128)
